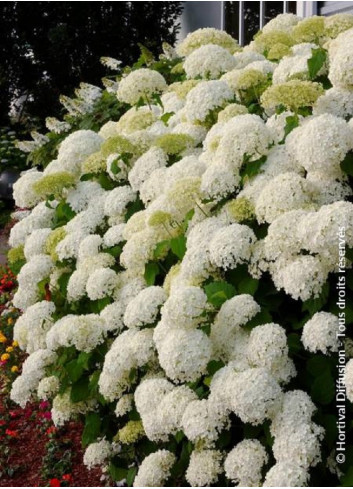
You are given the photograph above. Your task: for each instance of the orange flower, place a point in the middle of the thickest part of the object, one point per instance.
(3, 338)
(4, 357)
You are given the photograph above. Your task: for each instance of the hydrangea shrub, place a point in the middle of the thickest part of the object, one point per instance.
(180, 285)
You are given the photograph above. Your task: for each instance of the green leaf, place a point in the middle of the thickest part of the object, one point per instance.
(317, 365)
(151, 272)
(114, 167)
(91, 429)
(161, 249)
(316, 62)
(115, 251)
(292, 121)
(93, 383)
(80, 390)
(165, 117)
(117, 473)
(131, 476)
(178, 246)
(132, 208)
(323, 388)
(74, 370)
(347, 480)
(261, 317)
(248, 285)
(218, 292)
(63, 280)
(251, 168)
(213, 366)
(186, 220)
(347, 164)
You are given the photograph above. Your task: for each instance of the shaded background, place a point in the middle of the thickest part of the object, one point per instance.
(48, 48)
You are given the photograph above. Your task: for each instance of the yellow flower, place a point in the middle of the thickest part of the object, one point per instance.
(3, 338)
(4, 357)
(14, 369)
(9, 349)
(10, 321)
(15, 343)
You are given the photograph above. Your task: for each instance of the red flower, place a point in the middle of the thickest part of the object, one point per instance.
(67, 478)
(2, 422)
(54, 483)
(43, 405)
(12, 433)
(51, 430)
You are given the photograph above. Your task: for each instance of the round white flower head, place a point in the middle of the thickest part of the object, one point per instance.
(320, 333)
(340, 72)
(89, 246)
(283, 193)
(151, 160)
(205, 97)
(297, 408)
(76, 147)
(302, 277)
(131, 349)
(201, 422)
(84, 332)
(113, 315)
(172, 407)
(84, 193)
(208, 61)
(64, 409)
(256, 396)
(268, 348)
(218, 181)
(284, 474)
(299, 445)
(48, 387)
(204, 468)
(124, 405)
(207, 35)
(117, 200)
(35, 243)
(321, 143)
(97, 454)
(140, 84)
(231, 246)
(155, 469)
(33, 371)
(144, 308)
(348, 379)
(283, 22)
(244, 463)
(31, 328)
(101, 283)
(244, 136)
(184, 354)
(114, 235)
(23, 192)
(185, 306)
(336, 101)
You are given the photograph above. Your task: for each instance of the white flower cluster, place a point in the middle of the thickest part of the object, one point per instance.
(168, 226)
(33, 371)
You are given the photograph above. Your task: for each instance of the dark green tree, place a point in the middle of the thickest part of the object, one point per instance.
(48, 48)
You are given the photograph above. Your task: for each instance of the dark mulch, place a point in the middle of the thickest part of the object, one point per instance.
(28, 448)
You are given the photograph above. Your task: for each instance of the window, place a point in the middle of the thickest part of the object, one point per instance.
(244, 19)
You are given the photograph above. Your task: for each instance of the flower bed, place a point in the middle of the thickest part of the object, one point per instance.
(182, 261)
